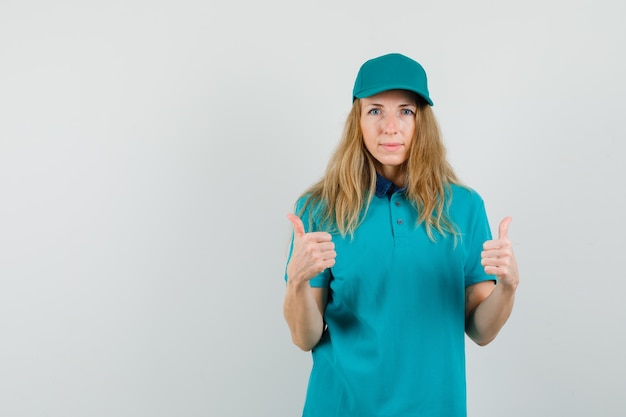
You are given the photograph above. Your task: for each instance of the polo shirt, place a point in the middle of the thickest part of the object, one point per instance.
(394, 342)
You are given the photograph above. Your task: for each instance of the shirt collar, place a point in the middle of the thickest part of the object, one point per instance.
(385, 187)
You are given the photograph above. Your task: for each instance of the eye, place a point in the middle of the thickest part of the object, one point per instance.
(374, 112)
(407, 112)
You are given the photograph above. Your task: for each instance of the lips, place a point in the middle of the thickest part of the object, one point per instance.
(391, 147)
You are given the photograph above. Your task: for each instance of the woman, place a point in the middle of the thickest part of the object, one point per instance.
(396, 261)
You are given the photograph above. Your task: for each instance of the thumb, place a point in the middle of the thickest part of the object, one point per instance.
(503, 229)
(298, 227)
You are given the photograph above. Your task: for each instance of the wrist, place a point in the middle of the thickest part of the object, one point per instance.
(507, 286)
(297, 284)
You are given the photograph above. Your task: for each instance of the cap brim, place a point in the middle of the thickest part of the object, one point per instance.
(375, 90)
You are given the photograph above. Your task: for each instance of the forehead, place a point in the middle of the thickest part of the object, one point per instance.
(391, 96)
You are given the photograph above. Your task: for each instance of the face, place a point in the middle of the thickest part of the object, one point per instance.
(388, 125)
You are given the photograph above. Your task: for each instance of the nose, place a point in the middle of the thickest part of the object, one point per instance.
(390, 124)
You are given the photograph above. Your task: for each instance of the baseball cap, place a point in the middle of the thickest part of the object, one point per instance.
(391, 72)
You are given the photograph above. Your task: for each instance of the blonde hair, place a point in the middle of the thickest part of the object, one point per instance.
(341, 198)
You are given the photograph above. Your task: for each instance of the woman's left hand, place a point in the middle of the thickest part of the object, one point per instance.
(498, 258)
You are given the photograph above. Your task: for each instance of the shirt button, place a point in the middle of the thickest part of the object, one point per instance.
(399, 221)
(397, 204)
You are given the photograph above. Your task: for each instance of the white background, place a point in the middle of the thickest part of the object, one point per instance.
(150, 150)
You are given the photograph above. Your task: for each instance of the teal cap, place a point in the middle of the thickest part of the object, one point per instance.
(391, 72)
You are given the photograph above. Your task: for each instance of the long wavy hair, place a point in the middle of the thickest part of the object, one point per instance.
(341, 198)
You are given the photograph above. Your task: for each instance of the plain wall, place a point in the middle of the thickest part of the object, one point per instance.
(150, 151)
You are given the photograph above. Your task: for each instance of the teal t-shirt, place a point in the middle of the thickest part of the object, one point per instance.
(394, 344)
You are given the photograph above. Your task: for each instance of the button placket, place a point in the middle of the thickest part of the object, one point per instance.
(398, 216)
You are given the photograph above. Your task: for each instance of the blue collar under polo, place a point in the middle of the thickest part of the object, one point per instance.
(384, 187)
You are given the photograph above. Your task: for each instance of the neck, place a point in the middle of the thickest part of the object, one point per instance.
(394, 174)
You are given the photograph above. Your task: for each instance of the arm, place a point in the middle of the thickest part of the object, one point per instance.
(487, 308)
(304, 305)
(304, 312)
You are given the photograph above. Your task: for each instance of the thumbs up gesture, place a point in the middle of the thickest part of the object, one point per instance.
(498, 258)
(312, 252)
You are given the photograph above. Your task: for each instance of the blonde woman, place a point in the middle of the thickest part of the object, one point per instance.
(392, 261)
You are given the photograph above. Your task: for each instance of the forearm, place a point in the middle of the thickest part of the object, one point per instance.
(303, 315)
(485, 322)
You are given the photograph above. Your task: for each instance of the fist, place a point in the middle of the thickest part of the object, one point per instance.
(498, 258)
(312, 252)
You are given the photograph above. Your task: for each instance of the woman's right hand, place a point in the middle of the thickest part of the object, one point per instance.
(312, 253)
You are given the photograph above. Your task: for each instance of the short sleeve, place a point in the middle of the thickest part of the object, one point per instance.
(477, 233)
